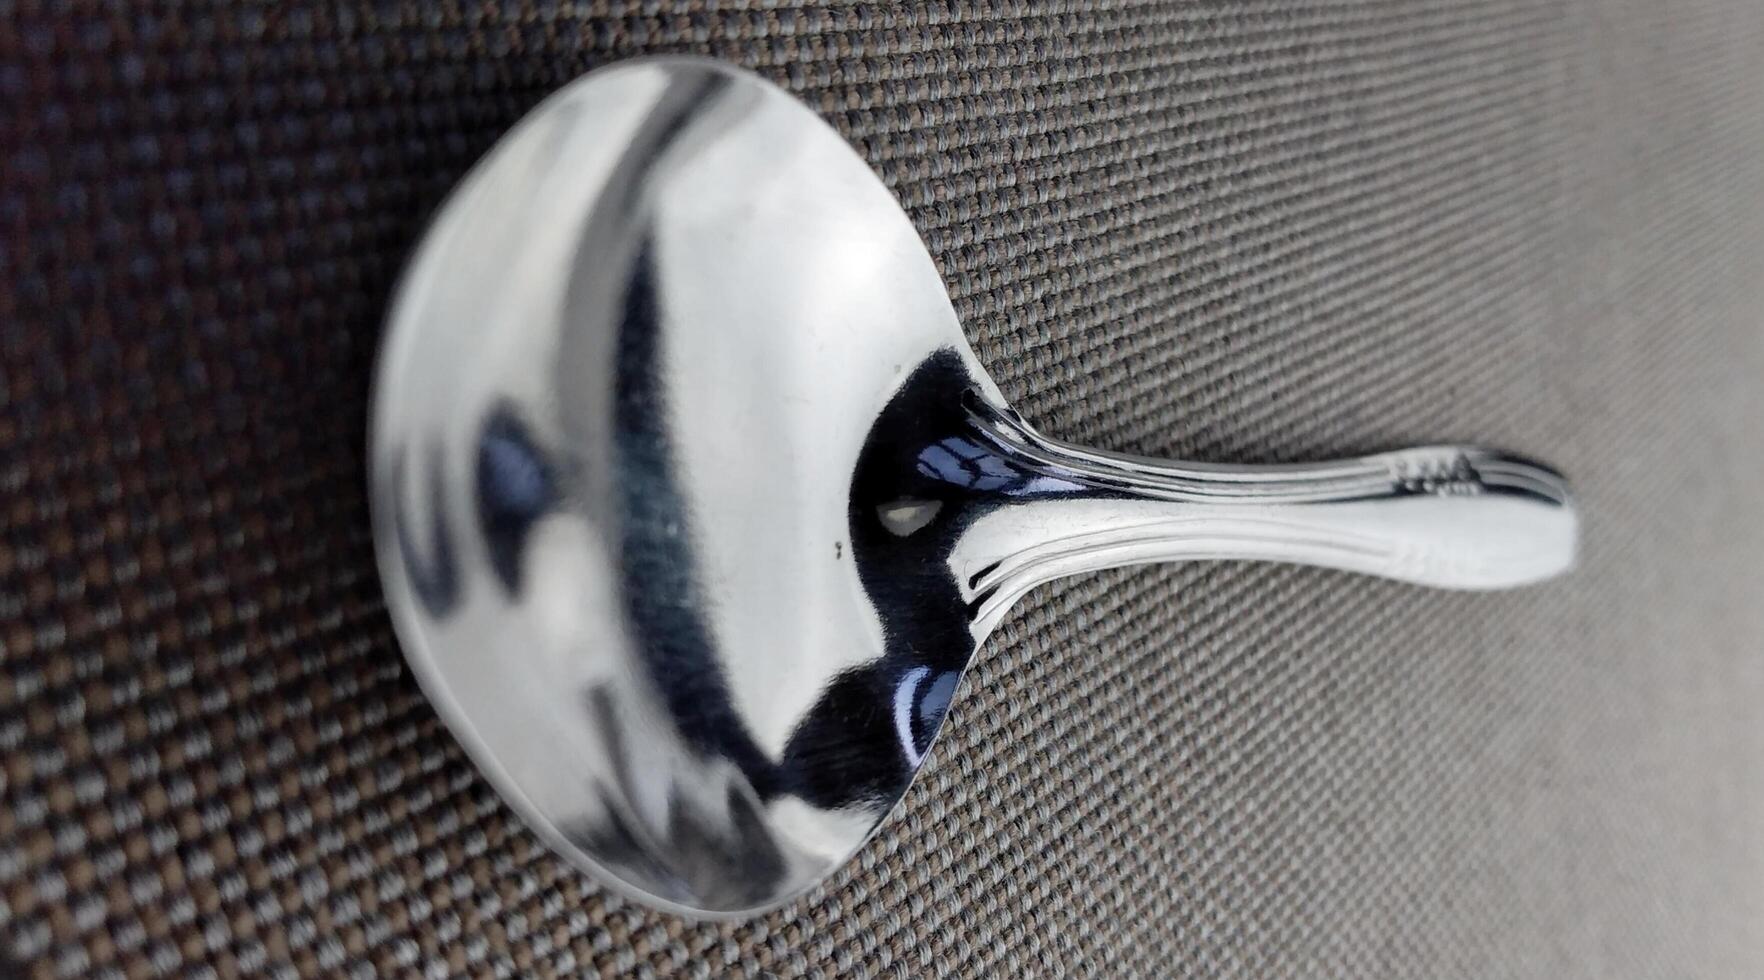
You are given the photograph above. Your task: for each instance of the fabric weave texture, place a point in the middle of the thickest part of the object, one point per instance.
(1239, 231)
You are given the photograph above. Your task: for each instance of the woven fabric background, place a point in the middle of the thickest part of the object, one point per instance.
(1222, 230)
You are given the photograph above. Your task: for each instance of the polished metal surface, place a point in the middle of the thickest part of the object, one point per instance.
(692, 503)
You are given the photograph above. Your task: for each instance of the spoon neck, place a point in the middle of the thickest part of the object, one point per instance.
(1449, 516)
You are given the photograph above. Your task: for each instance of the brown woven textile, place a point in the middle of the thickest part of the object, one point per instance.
(1221, 230)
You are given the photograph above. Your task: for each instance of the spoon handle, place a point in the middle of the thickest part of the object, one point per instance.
(1456, 517)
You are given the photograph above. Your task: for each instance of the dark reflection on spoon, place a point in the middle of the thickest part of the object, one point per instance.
(925, 474)
(833, 761)
(656, 547)
(434, 579)
(515, 488)
(702, 850)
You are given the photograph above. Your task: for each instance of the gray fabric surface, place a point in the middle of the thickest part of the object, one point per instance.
(1233, 231)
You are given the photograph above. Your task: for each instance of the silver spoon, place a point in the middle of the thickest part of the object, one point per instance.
(692, 503)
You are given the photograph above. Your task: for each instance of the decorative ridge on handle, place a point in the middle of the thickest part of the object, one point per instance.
(1461, 517)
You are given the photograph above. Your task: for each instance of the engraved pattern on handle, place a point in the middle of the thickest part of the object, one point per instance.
(1458, 517)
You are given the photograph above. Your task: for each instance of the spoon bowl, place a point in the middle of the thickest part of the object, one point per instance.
(692, 503)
